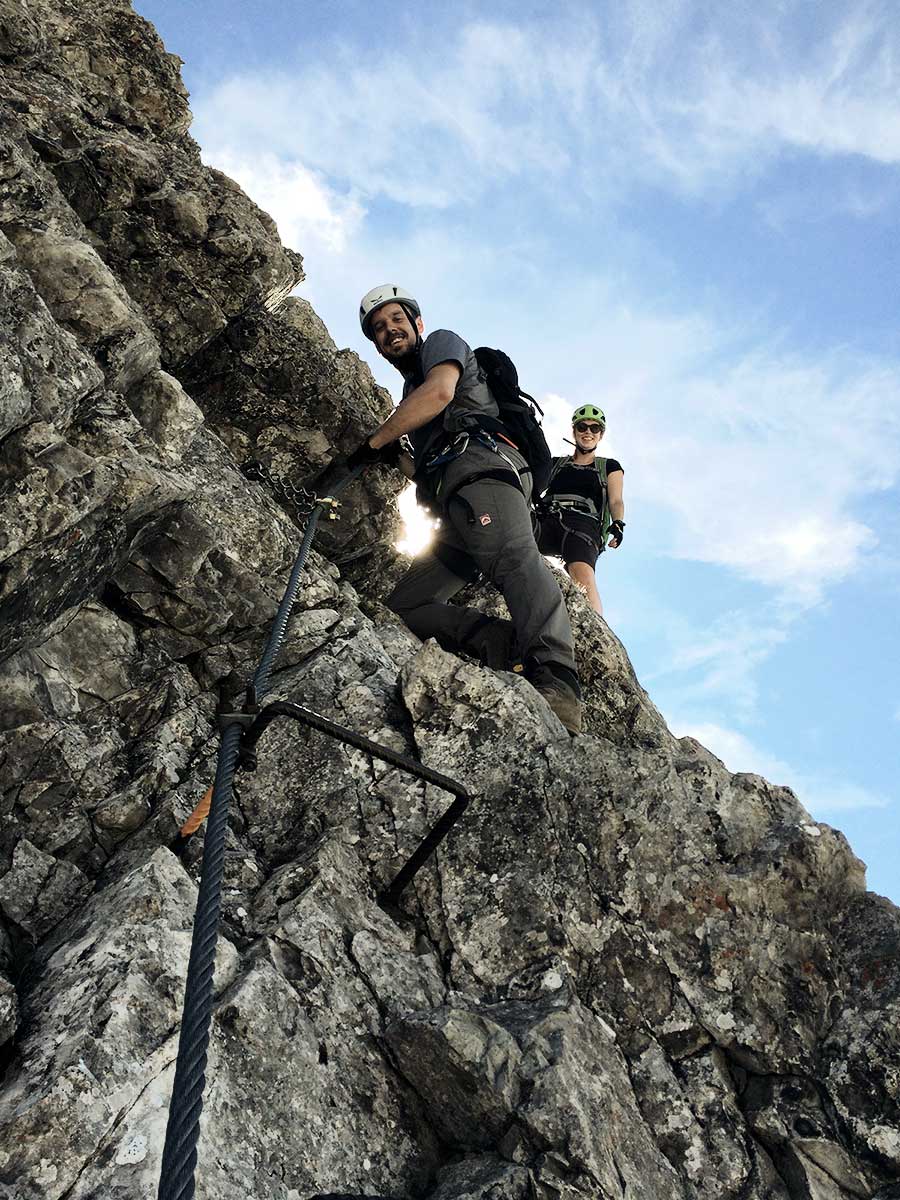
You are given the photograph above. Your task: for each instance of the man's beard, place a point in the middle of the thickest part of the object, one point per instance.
(405, 362)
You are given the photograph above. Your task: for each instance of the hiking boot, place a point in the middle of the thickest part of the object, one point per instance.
(559, 687)
(564, 703)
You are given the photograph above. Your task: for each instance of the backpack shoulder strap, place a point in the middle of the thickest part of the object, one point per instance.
(556, 465)
(605, 515)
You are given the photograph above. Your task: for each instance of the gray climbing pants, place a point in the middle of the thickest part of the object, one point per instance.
(487, 526)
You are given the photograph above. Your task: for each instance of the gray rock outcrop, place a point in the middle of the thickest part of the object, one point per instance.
(627, 974)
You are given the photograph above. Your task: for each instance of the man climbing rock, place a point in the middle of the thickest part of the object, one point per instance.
(582, 510)
(480, 485)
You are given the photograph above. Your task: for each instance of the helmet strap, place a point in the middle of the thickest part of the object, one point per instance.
(411, 317)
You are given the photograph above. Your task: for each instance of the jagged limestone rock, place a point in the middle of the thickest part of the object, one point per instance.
(99, 1007)
(861, 1065)
(9, 1010)
(38, 890)
(110, 124)
(85, 298)
(44, 374)
(625, 973)
(295, 403)
(9, 1001)
(483, 1178)
(533, 1074)
(166, 412)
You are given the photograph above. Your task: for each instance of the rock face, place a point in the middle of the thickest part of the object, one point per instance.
(626, 974)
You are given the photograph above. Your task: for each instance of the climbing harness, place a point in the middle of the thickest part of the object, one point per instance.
(582, 504)
(492, 441)
(453, 449)
(560, 511)
(557, 504)
(240, 729)
(447, 452)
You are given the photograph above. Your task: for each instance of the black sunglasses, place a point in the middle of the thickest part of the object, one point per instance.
(588, 427)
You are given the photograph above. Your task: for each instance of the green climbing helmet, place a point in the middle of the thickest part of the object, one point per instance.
(589, 412)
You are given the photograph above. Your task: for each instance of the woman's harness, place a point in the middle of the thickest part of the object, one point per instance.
(582, 504)
(559, 505)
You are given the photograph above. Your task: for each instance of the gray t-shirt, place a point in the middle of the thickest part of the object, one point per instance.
(471, 398)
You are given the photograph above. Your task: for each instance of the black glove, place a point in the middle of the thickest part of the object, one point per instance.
(617, 532)
(365, 455)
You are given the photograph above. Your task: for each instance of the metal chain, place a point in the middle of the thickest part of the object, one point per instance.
(301, 499)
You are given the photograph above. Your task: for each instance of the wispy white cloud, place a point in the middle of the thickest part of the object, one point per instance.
(737, 452)
(822, 794)
(688, 100)
(760, 457)
(765, 461)
(712, 99)
(783, 210)
(557, 420)
(717, 665)
(387, 127)
(434, 262)
(307, 211)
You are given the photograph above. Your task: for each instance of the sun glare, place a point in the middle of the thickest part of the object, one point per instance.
(418, 527)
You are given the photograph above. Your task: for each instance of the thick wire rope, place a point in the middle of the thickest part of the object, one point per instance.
(240, 733)
(286, 607)
(183, 1130)
(179, 1159)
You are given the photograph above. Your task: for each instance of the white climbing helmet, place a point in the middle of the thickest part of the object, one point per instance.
(384, 294)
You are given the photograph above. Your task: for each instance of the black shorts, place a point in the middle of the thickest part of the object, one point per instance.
(571, 536)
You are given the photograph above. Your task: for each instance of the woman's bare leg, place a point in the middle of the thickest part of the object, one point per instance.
(586, 579)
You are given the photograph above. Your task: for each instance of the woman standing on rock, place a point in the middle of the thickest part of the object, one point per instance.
(583, 504)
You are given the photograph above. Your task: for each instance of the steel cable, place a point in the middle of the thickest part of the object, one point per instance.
(179, 1158)
(183, 1130)
(240, 733)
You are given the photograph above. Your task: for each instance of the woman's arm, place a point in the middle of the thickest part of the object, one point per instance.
(614, 482)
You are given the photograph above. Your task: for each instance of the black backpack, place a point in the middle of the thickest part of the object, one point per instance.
(518, 419)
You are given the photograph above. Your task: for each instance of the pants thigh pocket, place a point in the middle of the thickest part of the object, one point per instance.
(482, 514)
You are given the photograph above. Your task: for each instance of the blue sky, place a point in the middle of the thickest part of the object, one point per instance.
(683, 212)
